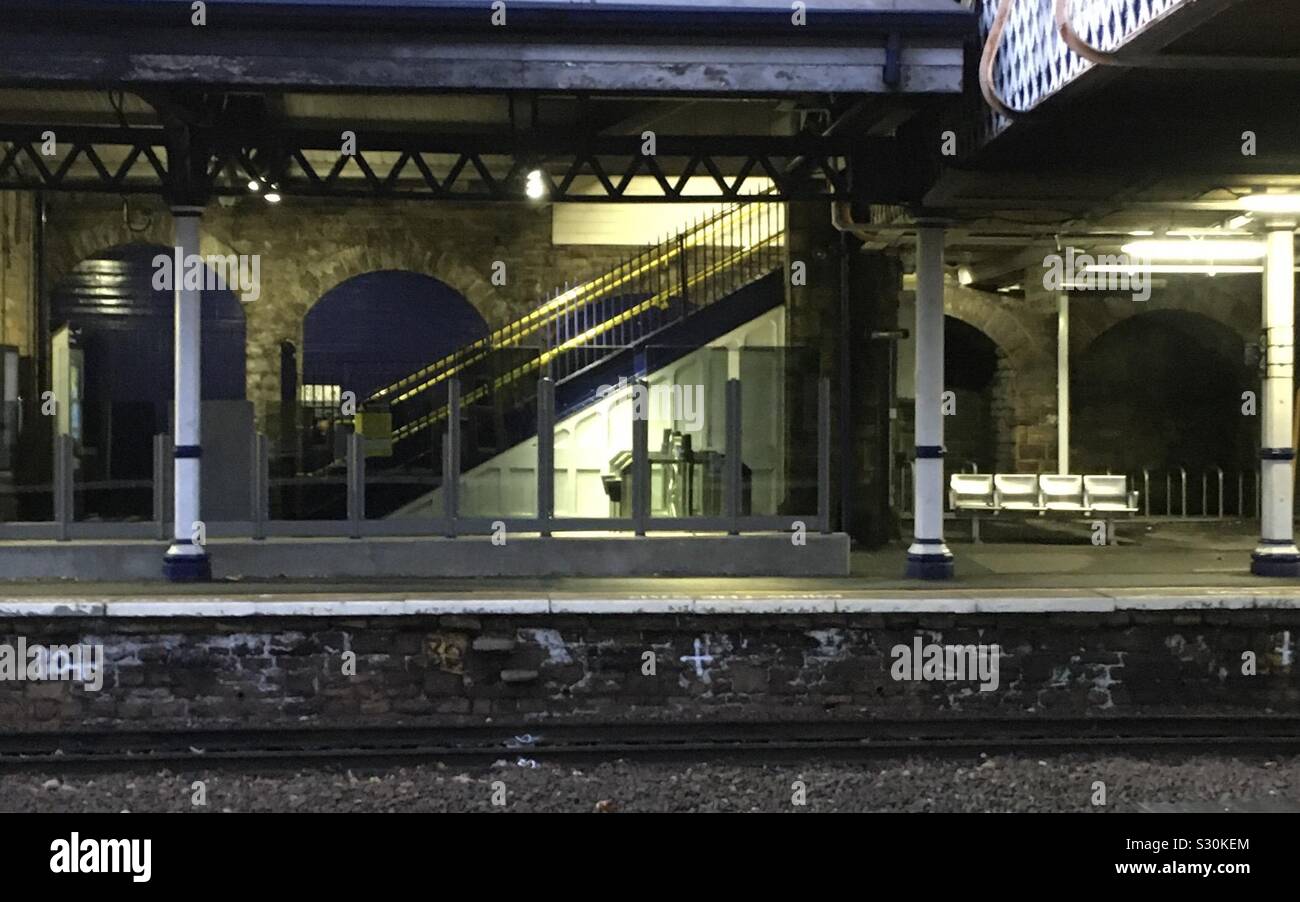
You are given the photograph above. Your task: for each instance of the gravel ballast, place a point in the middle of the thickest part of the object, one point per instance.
(976, 784)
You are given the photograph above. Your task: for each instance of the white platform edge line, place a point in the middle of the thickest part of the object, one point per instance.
(269, 606)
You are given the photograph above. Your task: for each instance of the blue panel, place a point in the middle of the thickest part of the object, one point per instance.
(126, 329)
(376, 328)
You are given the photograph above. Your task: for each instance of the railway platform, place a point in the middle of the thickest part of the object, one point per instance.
(1173, 626)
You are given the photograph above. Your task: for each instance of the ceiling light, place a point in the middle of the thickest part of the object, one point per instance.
(1240, 222)
(1271, 203)
(1207, 269)
(535, 187)
(272, 197)
(1208, 250)
(964, 275)
(254, 185)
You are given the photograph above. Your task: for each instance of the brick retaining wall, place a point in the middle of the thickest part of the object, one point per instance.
(163, 673)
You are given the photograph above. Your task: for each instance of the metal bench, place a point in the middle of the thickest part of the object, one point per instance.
(982, 495)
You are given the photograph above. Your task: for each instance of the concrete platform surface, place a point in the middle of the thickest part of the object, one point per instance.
(1171, 566)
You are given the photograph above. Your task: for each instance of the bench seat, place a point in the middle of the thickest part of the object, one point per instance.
(1046, 493)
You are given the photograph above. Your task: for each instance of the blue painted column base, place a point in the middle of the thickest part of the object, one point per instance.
(1275, 564)
(929, 566)
(187, 568)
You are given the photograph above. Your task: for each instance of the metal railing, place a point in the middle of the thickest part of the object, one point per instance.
(580, 326)
(450, 521)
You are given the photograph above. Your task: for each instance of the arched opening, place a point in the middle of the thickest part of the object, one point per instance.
(123, 327)
(371, 330)
(1162, 389)
(974, 371)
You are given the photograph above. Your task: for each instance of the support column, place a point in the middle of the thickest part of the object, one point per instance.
(186, 560)
(1276, 554)
(1063, 383)
(928, 557)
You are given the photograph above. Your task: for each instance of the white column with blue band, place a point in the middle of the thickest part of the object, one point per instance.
(187, 560)
(928, 557)
(1276, 554)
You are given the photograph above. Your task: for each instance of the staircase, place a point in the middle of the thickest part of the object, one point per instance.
(666, 300)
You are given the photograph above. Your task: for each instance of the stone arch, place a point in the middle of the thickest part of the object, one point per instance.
(84, 233)
(974, 426)
(376, 327)
(1232, 301)
(1162, 388)
(1026, 389)
(317, 267)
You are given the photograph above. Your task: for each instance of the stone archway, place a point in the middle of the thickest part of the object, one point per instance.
(1231, 301)
(377, 327)
(1024, 390)
(1163, 389)
(974, 425)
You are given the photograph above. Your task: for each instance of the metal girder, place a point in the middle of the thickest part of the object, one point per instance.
(457, 167)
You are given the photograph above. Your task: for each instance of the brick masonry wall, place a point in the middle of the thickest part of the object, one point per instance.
(308, 247)
(459, 670)
(17, 274)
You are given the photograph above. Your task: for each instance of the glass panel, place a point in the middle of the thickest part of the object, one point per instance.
(26, 493)
(307, 453)
(498, 451)
(779, 429)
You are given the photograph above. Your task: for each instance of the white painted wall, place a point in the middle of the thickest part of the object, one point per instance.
(506, 485)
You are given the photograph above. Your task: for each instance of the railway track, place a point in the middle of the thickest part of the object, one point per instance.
(715, 740)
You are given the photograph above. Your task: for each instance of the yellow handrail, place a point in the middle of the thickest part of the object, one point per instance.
(661, 299)
(547, 312)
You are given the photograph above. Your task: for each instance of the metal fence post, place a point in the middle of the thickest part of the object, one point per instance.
(162, 453)
(545, 454)
(640, 456)
(259, 485)
(733, 485)
(356, 483)
(451, 458)
(824, 454)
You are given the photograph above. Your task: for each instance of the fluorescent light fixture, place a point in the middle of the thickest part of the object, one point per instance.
(1208, 269)
(535, 187)
(1271, 203)
(1141, 233)
(1240, 222)
(1206, 250)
